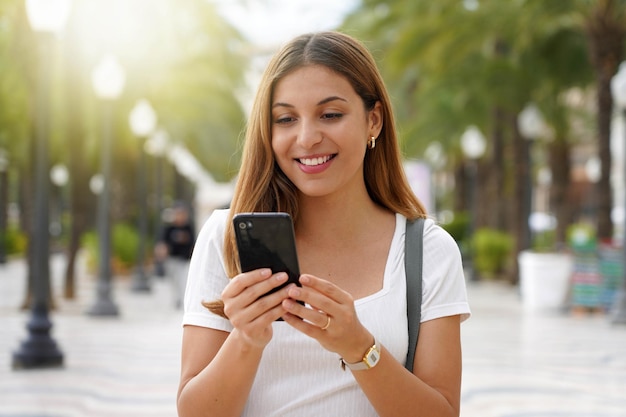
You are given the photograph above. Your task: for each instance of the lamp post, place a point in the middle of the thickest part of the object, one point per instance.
(108, 82)
(4, 165)
(532, 127)
(39, 350)
(142, 122)
(156, 146)
(59, 175)
(473, 144)
(436, 157)
(618, 89)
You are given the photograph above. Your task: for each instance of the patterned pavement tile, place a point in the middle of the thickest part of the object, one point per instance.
(515, 363)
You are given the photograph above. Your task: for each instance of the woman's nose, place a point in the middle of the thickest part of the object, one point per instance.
(309, 135)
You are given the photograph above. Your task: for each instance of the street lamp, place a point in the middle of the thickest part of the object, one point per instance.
(4, 165)
(436, 158)
(59, 175)
(473, 144)
(142, 122)
(618, 89)
(39, 350)
(156, 146)
(108, 83)
(531, 126)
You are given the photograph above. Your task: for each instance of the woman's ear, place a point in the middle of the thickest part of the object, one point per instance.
(375, 119)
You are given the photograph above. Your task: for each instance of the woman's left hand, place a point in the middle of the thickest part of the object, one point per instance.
(329, 317)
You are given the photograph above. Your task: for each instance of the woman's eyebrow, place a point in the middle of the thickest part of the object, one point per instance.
(331, 98)
(280, 104)
(324, 101)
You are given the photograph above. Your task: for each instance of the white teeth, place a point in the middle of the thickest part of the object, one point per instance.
(314, 161)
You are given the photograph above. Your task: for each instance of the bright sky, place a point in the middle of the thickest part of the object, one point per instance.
(273, 22)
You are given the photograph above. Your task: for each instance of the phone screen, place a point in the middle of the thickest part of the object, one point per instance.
(267, 240)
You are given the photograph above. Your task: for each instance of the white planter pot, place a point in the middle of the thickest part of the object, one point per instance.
(544, 280)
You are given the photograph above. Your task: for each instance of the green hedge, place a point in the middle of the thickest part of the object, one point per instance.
(492, 252)
(124, 242)
(15, 241)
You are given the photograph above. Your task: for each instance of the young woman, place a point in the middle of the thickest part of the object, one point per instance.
(321, 145)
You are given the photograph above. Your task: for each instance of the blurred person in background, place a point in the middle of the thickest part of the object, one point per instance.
(174, 248)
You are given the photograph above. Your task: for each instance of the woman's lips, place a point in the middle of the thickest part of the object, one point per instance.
(315, 164)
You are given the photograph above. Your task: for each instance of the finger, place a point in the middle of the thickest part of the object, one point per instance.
(314, 316)
(322, 332)
(246, 307)
(244, 280)
(325, 287)
(327, 324)
(321, 294)
(302, 325)
(254, 283)
(264, 319)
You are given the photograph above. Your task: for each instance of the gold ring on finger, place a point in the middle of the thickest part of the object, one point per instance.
(327, 323)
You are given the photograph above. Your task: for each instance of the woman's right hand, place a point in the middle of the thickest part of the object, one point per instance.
(251, 313)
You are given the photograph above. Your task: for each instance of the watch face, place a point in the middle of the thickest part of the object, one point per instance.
(373, 357)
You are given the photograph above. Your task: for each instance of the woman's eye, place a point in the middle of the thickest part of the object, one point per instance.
(284, 120)
(331, 116)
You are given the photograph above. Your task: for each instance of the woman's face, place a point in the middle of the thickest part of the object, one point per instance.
(320, 131)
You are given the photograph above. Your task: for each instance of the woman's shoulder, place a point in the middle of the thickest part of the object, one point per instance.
(435, 237)
(217, 217)
(434, 232)
(439, 244)
(215, 225)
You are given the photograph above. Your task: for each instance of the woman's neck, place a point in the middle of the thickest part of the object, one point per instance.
(339, 218)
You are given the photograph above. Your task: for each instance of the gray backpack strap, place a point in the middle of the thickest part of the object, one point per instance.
(413, 252)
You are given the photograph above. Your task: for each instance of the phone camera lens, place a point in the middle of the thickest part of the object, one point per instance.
(242, 225)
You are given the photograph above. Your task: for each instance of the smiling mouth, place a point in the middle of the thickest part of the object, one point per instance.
(311, 162)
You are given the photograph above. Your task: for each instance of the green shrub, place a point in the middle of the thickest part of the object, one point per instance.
(125, 245)
(15, 241)
(457, 228)
(544, 241)
(582, 237)
(492, 251)
(89, 243)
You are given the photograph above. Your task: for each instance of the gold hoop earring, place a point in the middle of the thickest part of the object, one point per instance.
(371, 144)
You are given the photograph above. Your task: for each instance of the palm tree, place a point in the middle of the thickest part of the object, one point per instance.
(604, 23)
(481, 66)
(190, 63)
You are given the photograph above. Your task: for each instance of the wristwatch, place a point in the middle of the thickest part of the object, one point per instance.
(370, 360)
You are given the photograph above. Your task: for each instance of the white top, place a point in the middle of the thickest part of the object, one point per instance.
(296, 376)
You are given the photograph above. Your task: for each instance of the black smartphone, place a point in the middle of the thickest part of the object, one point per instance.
(267, 240)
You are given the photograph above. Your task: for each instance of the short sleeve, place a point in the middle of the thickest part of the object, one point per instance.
(444, 289)
(207, 274)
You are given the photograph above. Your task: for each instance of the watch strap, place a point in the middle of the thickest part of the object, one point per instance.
(370, 359)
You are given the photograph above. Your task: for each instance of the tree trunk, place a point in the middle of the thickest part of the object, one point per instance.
(494, 215)
(460, 189)
(80, 195)
(560, 202)
(4, 202)
(605, 34)
(522, 195)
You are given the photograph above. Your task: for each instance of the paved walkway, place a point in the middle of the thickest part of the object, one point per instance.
(113, 367)
(516, 364)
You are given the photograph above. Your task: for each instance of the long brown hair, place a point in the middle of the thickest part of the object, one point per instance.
(262, 186)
